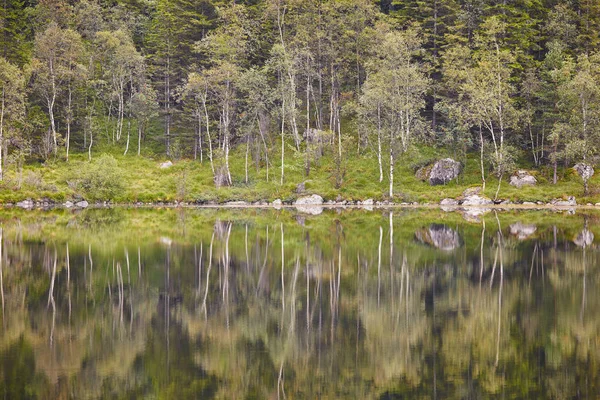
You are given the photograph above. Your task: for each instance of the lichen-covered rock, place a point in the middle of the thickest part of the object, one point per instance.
(423, 173)
(26, 204)
(522, 178)
(277, 204)
(476, 200)
(471, 191)
(237, 203)
(310, 204)
(439, 236)
(449, 202)
(564, 203)
(313, 199)
(444, 171)
(585, 171)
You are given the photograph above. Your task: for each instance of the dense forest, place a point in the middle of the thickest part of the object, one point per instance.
(265, 83)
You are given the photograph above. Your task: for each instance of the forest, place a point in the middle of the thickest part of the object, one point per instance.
(257, 96)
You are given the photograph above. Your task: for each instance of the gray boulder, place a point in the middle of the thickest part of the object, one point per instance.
(564, 203)
(237, 203)
(476, 200)
(310, 204)
(277, 204)
(522, 178)
(82, 204)
(585, 171)
(166, 164)
(449, 202)
(444, 171)
(471, 191)
(26, 204)
(312, 200)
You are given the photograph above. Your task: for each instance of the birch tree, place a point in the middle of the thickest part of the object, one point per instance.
(398, 80)
(122, 67)
(56, 55)
(227, 48)
(12, 105)
(485, 94)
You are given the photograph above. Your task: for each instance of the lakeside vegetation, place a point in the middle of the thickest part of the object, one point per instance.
(125, 179)
(250, 99)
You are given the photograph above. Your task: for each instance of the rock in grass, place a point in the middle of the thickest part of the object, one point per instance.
(165, 165)
(423, 173)
(277, 204)
(312, 200)
(237, 203)
(585, 171)
(310, 204)
(449, 202)
(564, 203)
(476, 200)
(444, 171)
(82, 204)
(522, 178)
(471, 191)
(26, 203)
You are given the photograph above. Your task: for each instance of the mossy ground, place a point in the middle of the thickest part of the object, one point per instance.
(357, 178)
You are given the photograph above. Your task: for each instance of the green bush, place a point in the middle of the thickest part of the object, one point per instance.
(101, 179)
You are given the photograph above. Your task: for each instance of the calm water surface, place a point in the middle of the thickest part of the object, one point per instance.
(267, 304)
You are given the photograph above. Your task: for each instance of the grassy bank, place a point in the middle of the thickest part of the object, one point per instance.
(130, 179)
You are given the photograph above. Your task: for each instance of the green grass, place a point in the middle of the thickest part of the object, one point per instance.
(191, 181)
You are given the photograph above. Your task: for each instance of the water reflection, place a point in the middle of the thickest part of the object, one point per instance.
(252, 304)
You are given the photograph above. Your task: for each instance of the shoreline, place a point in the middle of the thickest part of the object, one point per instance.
(332, 206)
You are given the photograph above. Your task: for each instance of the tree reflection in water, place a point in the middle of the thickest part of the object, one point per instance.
(254, 304)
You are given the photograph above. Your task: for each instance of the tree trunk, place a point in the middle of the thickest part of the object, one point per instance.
(262, 136)
(379, 142)
(69, 116)
(210, 151)
(50, 101)
(391, 166)
(200, 135)
(139, 137)
(2, 134)
(282, 136)
(247, 149)
(481, 159)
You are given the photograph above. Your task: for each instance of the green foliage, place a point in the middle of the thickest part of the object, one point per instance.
(100, 179)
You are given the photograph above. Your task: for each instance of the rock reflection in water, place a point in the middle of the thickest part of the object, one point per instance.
(439, 236)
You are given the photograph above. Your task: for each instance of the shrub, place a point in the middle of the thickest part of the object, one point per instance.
(101, 179)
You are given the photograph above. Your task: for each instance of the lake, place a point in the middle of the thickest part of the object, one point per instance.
(272, 304)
